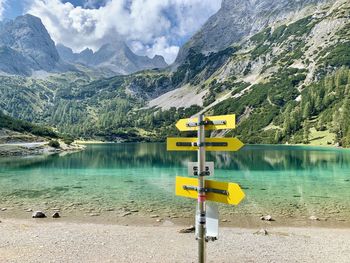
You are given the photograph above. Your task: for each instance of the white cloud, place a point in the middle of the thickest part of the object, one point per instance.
(149, 26)
(2, 8)
(160, 46)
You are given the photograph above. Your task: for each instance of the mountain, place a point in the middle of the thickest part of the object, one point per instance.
(116, 57)
(288, 82)
(26, 46)
(239, 19)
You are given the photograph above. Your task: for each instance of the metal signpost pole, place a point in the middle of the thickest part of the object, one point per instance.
(201, 190)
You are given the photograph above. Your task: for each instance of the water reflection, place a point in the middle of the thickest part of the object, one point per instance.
(253, 158)
(277, 179)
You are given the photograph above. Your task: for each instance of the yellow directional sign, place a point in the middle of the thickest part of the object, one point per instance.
(222, 192)
(211, 144)
(211, 123)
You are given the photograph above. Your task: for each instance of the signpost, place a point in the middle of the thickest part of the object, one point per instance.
(199, 188)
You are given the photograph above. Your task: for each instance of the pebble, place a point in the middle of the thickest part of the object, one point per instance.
(314, 218)
(267, 218)
(56, 215)
(3, 209)
(134, 211)
(159, 220)
(94, 214)
(38, 214)
(224, 220)
(154, 216)
(126, 214)
(187, 230)
(262, 232)
(110, 209)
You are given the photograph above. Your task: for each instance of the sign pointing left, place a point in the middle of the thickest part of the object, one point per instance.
(210, 123)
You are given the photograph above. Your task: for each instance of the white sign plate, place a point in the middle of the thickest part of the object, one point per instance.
(193, 168)
(212, 220)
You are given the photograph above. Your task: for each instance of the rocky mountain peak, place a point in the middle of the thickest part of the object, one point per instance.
(27, 44)
(238, 19)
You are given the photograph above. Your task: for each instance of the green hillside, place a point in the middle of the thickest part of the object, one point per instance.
(7, 122)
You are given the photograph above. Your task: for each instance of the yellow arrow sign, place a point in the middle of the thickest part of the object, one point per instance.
(211, 144)
(222, 192)
(211, 123)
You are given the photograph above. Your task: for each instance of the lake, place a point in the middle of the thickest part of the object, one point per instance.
(288, 182)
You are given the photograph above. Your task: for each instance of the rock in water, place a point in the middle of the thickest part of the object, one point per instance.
(38, 214)
(56, 215)
(190, 229)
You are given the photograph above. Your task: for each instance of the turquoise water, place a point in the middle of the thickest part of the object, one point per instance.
(279, 180)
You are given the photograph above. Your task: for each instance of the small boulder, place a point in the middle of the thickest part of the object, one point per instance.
(56, 215)
(267, 218)
(3, 209)
(187, 230)
(38, 214)
(154, 216)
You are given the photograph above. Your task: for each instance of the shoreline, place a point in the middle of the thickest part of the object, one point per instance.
(156, 218)
(24, 149)
(30, 240)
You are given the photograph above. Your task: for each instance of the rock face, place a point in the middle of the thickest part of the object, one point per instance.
(116, 57)
(26, 46)
(238, 19)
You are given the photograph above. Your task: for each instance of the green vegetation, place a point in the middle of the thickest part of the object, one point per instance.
(54, 144)
(336, 56)
(9, 123)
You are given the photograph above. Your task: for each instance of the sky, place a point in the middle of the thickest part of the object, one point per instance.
(149, 27)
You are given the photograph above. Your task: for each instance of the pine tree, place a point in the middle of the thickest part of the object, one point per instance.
(306, 127)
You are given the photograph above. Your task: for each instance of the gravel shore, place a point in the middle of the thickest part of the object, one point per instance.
(38, 241)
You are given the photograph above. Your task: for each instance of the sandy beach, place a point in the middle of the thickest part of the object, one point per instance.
(40, 240)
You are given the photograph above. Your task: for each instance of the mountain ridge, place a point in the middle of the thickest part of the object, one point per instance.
(116, 57)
